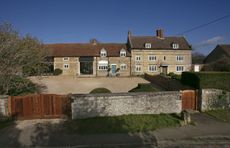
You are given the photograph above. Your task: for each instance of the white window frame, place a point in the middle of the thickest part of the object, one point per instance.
(152, 68)
(102, 67)
(103, 53)
(138, 58)
(152, 58)
(123, 66)
(148, 45)
(175, 46)
(179, 68)
(180, 58)
(65, 66)
(138, 68)
(122, 53)
(65, 59)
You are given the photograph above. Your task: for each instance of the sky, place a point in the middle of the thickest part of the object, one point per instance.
(71, 21)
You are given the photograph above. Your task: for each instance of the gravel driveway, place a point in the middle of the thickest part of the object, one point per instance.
(68, 84)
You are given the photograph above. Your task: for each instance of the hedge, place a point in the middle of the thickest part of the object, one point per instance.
(218, 80)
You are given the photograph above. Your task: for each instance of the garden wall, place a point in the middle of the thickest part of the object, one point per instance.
(92, 105)
(214, 99)
(3, 106)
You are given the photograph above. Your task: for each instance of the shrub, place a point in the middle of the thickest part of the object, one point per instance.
(100, 90)
(57, 72)
(21, 86)
(174, 76)
(190, 79)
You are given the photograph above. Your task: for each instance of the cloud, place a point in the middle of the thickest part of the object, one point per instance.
(208, 45)
(208, 42)
(212, 41)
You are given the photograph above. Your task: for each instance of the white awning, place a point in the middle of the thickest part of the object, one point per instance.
(103, 62)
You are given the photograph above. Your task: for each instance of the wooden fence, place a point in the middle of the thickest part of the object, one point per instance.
(39, 106)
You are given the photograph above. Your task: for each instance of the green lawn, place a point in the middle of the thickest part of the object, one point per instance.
(122, 124)
(143, 88)
(223, 115)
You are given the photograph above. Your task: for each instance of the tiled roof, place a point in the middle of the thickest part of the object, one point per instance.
(85, 49)
(138, 42)
(225, 48)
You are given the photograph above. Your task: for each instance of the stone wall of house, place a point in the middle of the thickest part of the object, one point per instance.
(170, 60)
(3, 106)
(73, 63)
(93, 105)
(116, 61)
(214, 99)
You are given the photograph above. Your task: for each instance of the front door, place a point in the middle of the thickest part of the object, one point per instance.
(113, 69)
(164, 70)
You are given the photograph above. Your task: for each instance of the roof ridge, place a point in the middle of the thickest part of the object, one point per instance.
(85, 43)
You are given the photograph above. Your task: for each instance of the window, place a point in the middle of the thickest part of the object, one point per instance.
(137, 58)
(147, 45)
(65, 59)
(123, 66)
(164, 58)
(152, 58)
(152, 68)
(102, 65)
(138, 68)
(180, 68)
(122, 53)
(175, 46)
(103, 53)
(66, 66)
(179, 58)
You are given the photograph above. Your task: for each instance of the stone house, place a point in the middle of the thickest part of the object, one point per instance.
(141, 54)
(91, 59)
(159, 54)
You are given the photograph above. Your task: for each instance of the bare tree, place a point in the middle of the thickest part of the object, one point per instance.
(18, 53)
(197, 58)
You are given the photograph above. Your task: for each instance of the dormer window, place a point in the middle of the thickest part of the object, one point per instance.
(122, 53)
(103, 52)
(175, 46)
(66, 59)
(147, 45)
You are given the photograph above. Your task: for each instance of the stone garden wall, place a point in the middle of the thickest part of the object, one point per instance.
(3, 106)
(214, 99)
(92, 105)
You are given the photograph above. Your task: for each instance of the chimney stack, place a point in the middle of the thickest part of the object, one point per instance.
(93, 41)
(160, 33)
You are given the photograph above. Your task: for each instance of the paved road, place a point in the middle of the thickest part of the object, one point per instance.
(206, 131)
(44, 133)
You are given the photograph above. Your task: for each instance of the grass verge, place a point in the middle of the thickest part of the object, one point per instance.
(123, 124)
(221, 114)
(5, 123)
